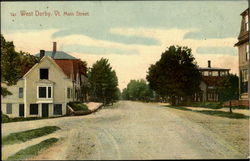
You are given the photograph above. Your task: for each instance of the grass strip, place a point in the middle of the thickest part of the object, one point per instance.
(33, 150)
(6, 119)
(214, 113)
(27, 135)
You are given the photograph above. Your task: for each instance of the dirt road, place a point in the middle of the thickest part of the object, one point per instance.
(133, 130)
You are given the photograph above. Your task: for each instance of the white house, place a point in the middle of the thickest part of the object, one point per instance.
(46, 88)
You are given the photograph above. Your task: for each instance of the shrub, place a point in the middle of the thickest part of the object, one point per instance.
(5, 118)
(78, 106)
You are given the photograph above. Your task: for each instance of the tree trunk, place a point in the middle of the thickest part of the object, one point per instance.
(230, 107)
(173, 101)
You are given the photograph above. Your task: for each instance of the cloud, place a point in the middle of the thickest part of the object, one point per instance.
(130, 61)
(97, 50)
(217, 50)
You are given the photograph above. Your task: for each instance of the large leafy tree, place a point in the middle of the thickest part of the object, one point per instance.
(229, 89)
(137, 90)
(103, 82)
(13, 64)
(175, 75)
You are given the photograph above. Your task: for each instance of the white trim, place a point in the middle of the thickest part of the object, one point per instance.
(47, 89)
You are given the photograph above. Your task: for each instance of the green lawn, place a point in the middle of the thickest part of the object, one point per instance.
(27, 135)
(32, 150)
(6, 119)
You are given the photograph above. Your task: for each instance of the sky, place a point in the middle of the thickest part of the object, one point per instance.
(131, 34)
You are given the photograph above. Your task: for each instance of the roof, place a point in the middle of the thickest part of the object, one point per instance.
(71, 67)
(45, 57)
(57, 55)
(213, 69)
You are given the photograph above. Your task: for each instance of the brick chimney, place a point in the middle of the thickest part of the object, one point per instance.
(42, 53)
(54, 46)
(209, 64)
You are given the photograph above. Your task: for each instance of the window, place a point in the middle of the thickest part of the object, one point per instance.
(210, 73)
(33, 109)
(68, 92)
(20, 92)
(44, 92)
(9, 108)
(205, 73)
(49, 92)
(44, 73)
(215, 73)
(222, 73)
(244, 75)
(246, 22)
(247, 52)
(57, 109)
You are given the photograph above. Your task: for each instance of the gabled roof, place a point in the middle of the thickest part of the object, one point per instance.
(72, 67)
(57, 55)
(48, 58)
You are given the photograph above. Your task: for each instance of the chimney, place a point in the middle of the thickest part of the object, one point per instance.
(209, 64)
(42, 53)
(54, 46)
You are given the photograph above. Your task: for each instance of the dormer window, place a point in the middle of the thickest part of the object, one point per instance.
(44, 73)
(246, 22)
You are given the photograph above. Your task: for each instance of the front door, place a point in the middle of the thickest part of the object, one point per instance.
(21, 110)
(45, 110)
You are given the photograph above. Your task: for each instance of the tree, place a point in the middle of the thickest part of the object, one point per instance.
(13, 64)
(228, 89)
(137, 90)
(103, 82)
(175, 75)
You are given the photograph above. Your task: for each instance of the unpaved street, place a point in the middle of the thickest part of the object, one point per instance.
(132, 130)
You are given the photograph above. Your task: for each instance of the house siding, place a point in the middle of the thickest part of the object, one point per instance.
(57, 79)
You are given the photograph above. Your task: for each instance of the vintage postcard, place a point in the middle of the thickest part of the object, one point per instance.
(101, 80)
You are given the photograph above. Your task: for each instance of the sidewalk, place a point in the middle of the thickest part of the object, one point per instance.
(92, 106)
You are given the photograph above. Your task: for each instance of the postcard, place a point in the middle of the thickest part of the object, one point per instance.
(97, 80)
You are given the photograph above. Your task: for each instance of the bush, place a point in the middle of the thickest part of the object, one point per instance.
(5, 118)
(78, 106)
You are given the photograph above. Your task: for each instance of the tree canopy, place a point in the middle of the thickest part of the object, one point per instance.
(175, 75)
(137, 90)
(228, 88)
(13, 64)
(103, 82)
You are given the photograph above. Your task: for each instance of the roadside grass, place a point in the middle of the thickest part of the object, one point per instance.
(211, 112)
(6, 119)
(24, 136)
(33, 150)
(211, 105)
(224, 114)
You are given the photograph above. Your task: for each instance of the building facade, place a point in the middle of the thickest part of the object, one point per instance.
(46, 88)
(210, 81)
(243, 51)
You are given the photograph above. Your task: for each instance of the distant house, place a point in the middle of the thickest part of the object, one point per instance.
(243, 50)
(46, 88)
(209, 84)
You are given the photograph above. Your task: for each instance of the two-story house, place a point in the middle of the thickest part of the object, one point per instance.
(210, 79)
(243, 50)
(46, 88)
